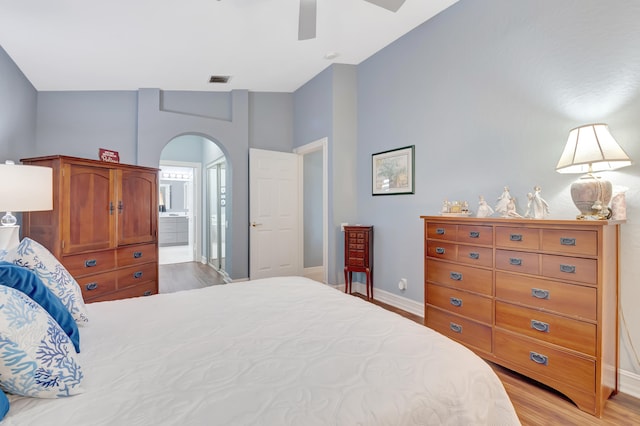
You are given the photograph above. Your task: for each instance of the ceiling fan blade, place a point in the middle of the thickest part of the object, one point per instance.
(392, 5)
(307, 21)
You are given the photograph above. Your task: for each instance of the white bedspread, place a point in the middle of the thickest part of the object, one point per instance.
(281, 351)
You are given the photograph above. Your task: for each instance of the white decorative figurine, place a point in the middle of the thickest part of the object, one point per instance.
(539, 205)
(484, 209)
(511, 208)
(503, 202)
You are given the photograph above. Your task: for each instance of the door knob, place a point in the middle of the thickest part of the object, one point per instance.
(254, 224)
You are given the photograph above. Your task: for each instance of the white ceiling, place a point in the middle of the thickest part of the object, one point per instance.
(179, 44)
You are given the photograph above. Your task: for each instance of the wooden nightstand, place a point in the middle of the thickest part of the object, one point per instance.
(358, 255)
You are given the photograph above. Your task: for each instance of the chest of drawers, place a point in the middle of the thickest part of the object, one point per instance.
(358, 255)
(539, 297)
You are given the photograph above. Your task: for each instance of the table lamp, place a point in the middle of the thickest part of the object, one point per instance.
(591, 148)
(22, 189)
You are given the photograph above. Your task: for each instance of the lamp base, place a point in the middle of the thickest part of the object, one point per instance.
(591, 195)
(8, 220)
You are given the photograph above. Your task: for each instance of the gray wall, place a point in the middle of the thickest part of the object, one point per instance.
(487, 92)
(326, 107)
(312, 213)
(18, 102)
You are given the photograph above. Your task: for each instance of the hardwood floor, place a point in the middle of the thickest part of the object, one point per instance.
(185, 276)
(536, 404)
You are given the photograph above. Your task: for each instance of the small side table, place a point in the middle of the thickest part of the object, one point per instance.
(358, 255)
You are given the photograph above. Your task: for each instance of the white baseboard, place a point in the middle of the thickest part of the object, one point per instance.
(394, 300)
(630, 383)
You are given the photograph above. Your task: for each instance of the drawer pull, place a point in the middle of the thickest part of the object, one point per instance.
(455, 302)
(91, 286)
(456, 276)
(440, 250)
(538, 358)
(568, 241)
(147, 293)
(515, 261)
(90, 263)
(456, 328)
(540, 326)
(137, 274)
(137, 254)
(474, 255)
(569, 269)
(440, 231)
(474, 234)
(515, 237)
(538, 293)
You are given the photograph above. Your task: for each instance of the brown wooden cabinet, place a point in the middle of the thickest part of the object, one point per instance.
(539, 297)
(358, 255)
(103, 226)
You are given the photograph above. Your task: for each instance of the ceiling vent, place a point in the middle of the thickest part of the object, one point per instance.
(219, 79)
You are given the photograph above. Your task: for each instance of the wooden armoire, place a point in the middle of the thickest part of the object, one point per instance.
(103, 226)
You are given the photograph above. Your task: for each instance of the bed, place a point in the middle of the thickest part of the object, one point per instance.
(276, 351)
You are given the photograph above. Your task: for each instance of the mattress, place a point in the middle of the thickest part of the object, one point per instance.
(277, 351)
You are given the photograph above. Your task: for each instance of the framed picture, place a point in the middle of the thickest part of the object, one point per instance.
(392, 172)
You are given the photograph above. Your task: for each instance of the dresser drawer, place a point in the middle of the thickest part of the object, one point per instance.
(133, 255)
(569, 333)
(463, 330)
(517, 238)
(570, 241)
(90, 263)
(568, 299)
(144, 289)
(459, 276)
(442, 231)
(478, 256)
(460, 302)
(93, 286)
(475, 234)
(357, 236)
(134, 275)
(442, 250)
(570, 268)
(518, 261)
(546, 361)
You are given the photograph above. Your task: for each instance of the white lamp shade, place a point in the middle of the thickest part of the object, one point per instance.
(25, 188)
(591, 148)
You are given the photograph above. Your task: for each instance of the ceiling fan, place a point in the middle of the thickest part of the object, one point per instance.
(307, 20)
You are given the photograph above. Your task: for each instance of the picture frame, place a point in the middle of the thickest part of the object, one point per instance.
(392, 172)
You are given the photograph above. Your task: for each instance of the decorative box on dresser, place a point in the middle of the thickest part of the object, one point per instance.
(539, 297)
(358, 255)
(103, 226)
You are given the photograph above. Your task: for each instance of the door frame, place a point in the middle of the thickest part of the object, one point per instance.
(207, 257)
(197, 198)
(317, 145)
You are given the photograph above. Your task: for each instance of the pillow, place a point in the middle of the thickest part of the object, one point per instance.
(26, 281)
(35, 256)
(4, 405)
(36, 357)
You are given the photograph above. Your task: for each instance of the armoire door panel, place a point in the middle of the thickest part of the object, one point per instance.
(137, 207)
(90, 191)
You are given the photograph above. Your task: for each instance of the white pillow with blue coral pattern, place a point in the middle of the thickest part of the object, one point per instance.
(37, 358)
(33, 255)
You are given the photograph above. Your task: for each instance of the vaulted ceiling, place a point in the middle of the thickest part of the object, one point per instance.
(180, 44)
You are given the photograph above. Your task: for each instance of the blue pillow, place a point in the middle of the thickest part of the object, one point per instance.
(22, 279)
(4, 405)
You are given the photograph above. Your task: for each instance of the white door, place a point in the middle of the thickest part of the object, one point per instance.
(273, 214)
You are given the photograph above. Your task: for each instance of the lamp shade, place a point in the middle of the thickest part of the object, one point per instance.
(25, 188)
(591, 148)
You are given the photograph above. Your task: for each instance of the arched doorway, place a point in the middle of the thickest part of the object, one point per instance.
(193, 203)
